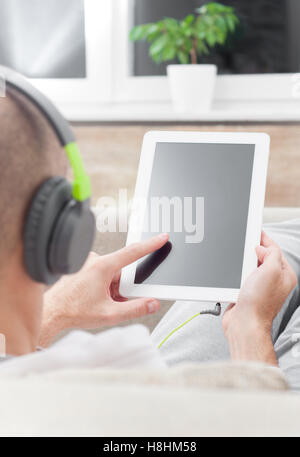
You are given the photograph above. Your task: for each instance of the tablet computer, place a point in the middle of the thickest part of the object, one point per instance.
(207, 191)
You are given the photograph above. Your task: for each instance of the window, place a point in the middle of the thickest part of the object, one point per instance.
(267, 40)
(78, 53)
(63, 46)
(43, 40)
(258, 64)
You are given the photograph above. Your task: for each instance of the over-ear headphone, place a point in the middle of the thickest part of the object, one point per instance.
(60, 226)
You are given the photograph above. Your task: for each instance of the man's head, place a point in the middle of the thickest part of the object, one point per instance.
(29, 154)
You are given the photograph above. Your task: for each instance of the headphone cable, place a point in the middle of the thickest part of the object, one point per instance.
(214, 312)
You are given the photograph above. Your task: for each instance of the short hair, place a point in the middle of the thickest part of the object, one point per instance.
(29, 154)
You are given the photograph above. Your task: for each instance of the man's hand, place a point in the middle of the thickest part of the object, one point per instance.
(91, 297)
(248, 323)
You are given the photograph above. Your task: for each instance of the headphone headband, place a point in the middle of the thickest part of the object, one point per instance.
(81, 185)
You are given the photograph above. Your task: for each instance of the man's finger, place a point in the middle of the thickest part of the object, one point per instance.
(269, 257)
(266, 241)
(133, 309)
(134, 252)
(261, 253)
(269, 243)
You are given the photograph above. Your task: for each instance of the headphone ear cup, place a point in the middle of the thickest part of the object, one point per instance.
(72, 238)
(48, 202)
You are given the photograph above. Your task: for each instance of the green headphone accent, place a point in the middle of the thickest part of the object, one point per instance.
(60, 226)
(81, 185)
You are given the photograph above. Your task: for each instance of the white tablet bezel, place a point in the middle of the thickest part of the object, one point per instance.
(255, 213)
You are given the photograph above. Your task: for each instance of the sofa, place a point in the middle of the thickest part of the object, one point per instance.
(223, 399)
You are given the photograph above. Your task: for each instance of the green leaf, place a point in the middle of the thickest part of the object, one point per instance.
(188, 32)
(183, 57)
(202, 48)
(156, 58)
(188, 44)
(153, 32)
(179, 41)
(220, 23)
(211, 38)
(208, 20)
(215, 8)
(153, 28)
(231, 23)
(169, 53)
(170, 23)
(153, 36)
(159, 44)
(200, 30)
(220, 36)
(144, 31)
(214, 22)
(202, 10)
(138, 33)
(188, 20)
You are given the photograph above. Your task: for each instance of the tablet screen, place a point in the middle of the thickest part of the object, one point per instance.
(199, 193)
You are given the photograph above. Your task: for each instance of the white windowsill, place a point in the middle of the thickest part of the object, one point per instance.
(163, 112)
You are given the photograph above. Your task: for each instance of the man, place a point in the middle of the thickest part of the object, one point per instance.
(29, 153)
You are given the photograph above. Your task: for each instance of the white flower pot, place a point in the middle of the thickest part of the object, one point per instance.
(192, 87)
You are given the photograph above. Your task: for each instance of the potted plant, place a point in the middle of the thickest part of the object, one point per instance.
(192, 84)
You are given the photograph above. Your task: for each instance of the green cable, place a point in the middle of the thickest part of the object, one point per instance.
(177, 328)
(214, 312)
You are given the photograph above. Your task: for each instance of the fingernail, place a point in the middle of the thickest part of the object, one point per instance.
(152, 306)
(163, 236)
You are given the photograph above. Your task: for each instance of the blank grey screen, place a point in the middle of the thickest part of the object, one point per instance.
(221, 174)
(43, 38)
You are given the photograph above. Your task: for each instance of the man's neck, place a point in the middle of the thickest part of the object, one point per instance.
(21, 302)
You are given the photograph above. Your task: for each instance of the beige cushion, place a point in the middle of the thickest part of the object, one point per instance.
(98, 404)
(221, 375)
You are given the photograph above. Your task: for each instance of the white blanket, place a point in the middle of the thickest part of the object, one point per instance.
(127, 347)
